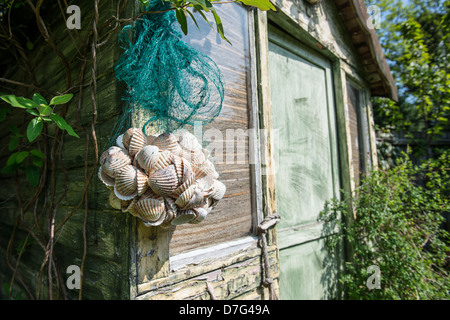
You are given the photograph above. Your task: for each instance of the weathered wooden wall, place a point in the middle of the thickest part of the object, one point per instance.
(107, 263)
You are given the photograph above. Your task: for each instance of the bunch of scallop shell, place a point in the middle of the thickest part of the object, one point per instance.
(164, 179)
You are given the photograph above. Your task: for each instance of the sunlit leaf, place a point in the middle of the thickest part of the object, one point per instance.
(39, 99)
(219, 26)
(34, 129)
(260, 4)
(61, 99)
(19, 102)
(62, 124)
(181, 18)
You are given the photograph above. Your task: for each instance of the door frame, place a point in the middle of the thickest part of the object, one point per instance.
(338, 78)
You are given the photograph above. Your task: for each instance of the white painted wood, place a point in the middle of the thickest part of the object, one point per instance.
(301, 234)
(214, 252)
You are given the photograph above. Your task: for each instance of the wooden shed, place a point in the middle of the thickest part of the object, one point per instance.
(296, 127)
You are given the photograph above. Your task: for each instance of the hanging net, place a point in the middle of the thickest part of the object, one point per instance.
(171, 82)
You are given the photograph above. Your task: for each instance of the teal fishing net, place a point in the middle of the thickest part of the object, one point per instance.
(172, 82)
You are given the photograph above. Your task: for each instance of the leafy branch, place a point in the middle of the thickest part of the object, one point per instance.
(43, 112)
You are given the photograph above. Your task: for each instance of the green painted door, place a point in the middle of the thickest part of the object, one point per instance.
(306, 163)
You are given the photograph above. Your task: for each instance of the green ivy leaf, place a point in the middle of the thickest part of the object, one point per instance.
(181, 18)
(19, 102)
(61, 99)
(37, 153)
(193, 18)
(204, 4)
(39, 99)
(33, 175)
(62, 124)
(260, 4)
(38, 162)
(14, 143)
(33, 112)
(34, 129)
(219, 26)
(45, 110)
(200, 11)
(22, 155)
(11, 160)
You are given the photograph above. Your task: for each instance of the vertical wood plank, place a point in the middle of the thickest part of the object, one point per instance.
(372, 134)
(267, 169)
(265, 113)
(152, 243)
(345, 149)
(339, 80)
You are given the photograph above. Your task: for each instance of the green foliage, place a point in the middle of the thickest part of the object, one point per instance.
(182, 7)
(397, 228)
(32, 160)
(415, 38)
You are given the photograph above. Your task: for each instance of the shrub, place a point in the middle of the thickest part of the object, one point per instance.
(398, 228)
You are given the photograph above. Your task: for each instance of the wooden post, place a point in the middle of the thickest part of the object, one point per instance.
(265, 123)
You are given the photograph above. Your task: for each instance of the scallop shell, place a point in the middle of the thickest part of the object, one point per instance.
(126, 137)
(196, 158)
(178, 163)
(206, 185)
(171, 209)
(206, 169)
(106, 179)
(110, 151)
(164, 181)
(119, 141)
(195, 200)
(148, 157)
(188, 171)
(167, 141)
(188, 141)
(113, 164)
(218, 191)
(184, 199)
(150, 194)
(165, 159)
(125, 186)
(130, 206)
(137, 142)
(115, 202)
(183, 217)
(178, 191)
(152, 211)
(150, 139)
(141, 182)
(201, 214)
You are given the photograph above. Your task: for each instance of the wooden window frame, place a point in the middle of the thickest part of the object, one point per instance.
(365, 116)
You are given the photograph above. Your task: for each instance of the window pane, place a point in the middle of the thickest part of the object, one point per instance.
(226, 136)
